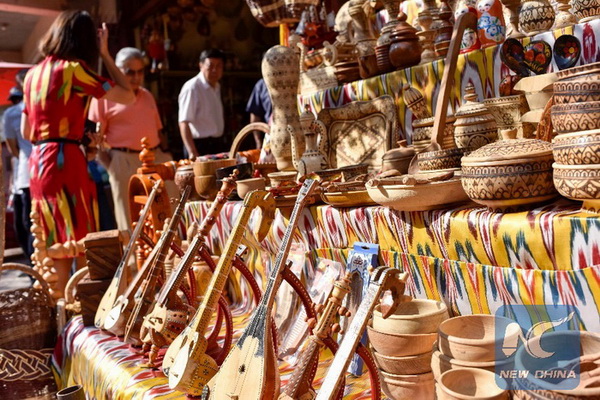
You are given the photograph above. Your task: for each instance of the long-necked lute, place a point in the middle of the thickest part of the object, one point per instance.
(250, 371)
(119, 281)
(186, 362)
(170, 315)
(382, 278)
(119, 315)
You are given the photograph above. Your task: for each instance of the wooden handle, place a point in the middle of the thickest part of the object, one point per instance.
(254, 126)
(29, 271)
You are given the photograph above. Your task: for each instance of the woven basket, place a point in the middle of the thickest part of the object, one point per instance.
(27, 339)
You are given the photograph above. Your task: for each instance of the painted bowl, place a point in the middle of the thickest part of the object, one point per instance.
(576, 91)
(583, 72)
(247, 185)
(577, 148)
(184, 177)
(586, 10)
(404, 365)
(579, 182)
(576, 117)
(209, 167)
(417, 316)
(470, 384)
(283, 179)
(566, 50)
(398, 345)
(441, 159)
(535, 16)
(419, 386)
(475, 337)
(206, 186)
(441, 363)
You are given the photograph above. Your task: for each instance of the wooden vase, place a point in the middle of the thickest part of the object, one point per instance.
(281, 72)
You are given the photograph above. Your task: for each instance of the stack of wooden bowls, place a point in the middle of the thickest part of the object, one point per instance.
(576, 120)
(403, 345)
(470, 342)
(205, 179)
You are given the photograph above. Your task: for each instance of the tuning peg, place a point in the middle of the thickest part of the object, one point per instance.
(319, 308)
(336, 328)
(311, 322)
(342, 310)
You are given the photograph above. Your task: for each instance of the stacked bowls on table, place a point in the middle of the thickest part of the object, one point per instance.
(576, 120)
(468, 344)
(402, 346)
(205, 179)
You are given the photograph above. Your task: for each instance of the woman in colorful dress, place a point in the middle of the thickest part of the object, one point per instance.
(57, 93)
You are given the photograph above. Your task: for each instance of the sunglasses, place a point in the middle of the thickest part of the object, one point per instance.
(133, 72)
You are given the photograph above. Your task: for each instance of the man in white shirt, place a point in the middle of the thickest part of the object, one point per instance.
(201, 109)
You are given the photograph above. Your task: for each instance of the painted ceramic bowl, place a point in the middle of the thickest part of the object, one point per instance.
(283, 179)
(210, 167)
(184, 177)
(535, 16)
(398, 345)
(442, 159)
(474, 338)
(245, 186)
(441, 363)
(583, 72)
(586, 10)
(509, 175)
(415, 316)
(575, 117)
(419, 386)
(579, 182)
(576, 91)
(577, 148)
(406, 365)
(470, 384)
(566, 50)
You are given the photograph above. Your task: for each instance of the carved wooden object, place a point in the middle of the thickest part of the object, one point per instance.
(103, 253)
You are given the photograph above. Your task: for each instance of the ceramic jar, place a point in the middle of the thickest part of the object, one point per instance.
(184, 177)
(510, 174)
(491, 28)
(405, 50)
(399, 158)
(365, 41)
(536, 16)
(281, 72)
(383, 42)
(586, 10)
(475, 125)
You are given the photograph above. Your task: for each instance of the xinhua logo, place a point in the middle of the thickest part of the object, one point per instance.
(537, 347)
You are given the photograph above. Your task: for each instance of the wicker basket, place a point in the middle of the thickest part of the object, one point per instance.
(27, 338)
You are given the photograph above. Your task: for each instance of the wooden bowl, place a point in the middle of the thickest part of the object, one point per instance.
(209, 167)
(351, 198)
(577, 148)
(421, 197)
(474, 337)
(247, 185)
(441, 159)
(415, 316)
(576, 117)
(579, 182)
(441, 363)
(283, 179)
(351, 171)
(576, 91)
(399, 387)
(206, 186)
(404, 365)
(469, 384)
(582, 72)
(399, 345)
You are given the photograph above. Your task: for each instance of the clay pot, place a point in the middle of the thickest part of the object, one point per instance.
(405, 50)
(475, 126)
(407, 365)
(581, 73)
(414, 317)
(422, 133)
(441, 363)
(283, 179)
(209, 167)
(507, 112)
(586, 10)
(398, 158)
(579, 182)
(575, 117)
(536, 16)
(475, 338)
(184, 177)
(510, 174)
(440, 159)
(576, 91)
(399, 345)
(470, 384)
(398, 387)
(245, 186)
(206, 186)
(577, 148)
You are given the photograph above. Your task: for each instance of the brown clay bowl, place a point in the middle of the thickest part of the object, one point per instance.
(469, 384)
(210, 167)
(582, 72)
(440, 159)
(412, 317)
(206, 186)
(283, 179)
(579, 182)
(405, 365)
(415, 387)
(473, 337)
(248, 185)
(441, 363)
(399, 345)
(577, 148)
(576, 117)
(576, 91)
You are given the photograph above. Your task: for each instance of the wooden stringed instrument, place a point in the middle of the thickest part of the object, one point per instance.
(382, 279)
(186, 362)
(146, 294)
(170, 314)
(119, 315)
(119, 281)
(250, 371)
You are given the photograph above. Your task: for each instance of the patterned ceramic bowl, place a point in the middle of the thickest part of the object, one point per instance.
(576, 91)
(577, 148)
(583, 72)
(579, 182)
(586, 10)
(441, 159)
(535, 16)
(576, 117)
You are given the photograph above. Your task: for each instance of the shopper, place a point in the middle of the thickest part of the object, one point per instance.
(124, 126)
(57, 93)
(260, 108)
(201, 121)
